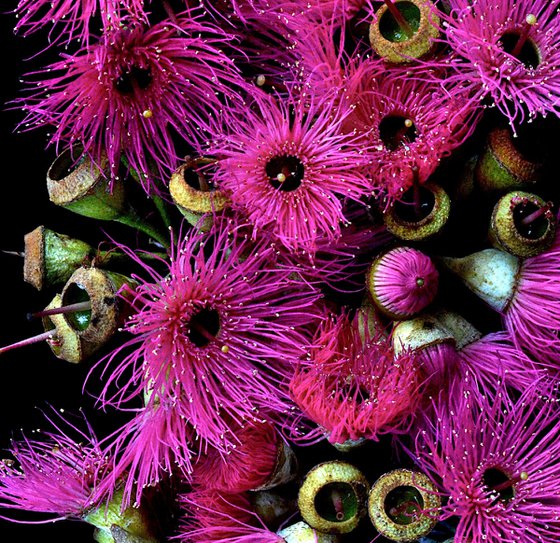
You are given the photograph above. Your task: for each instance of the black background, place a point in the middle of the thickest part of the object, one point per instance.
(32, 379)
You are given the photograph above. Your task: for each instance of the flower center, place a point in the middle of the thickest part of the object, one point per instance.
(135, 78)
(203, 327)
(396, 130)
(499, 484)
(518, 44)
(403, 504)
(285, 172)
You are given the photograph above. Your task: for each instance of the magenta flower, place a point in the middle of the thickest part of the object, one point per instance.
(287, 165)
(496, 458)
(56, 475)
(410, 122)
(403, 282)
(129, 94)
(247, 467)
(215, 336)
(74, 16)
(354, 386)
(509, 52)
(217, 517)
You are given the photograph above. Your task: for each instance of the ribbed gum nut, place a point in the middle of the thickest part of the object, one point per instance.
(331, 490)
(191, 199)
(272, 507)
(132, 521)
(369, 318)
(95, 326)
(419, 333)
(426, 227)
(51, 258)
(460, 328)
(507, 231)
(285, 469)
(300, 532)
(502, 167)
(491, 274)
(85, 188)
(384, 498)
(392, 44)
(66, 344)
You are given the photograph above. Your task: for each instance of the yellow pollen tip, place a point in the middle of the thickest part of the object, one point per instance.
(523, 475)
(148, 114)
(261, 80)
(531, 19)
(408, 123)
(281, 178)
(419, 282)
(225, 349)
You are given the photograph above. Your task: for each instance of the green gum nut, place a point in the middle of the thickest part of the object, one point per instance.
(420, 214)
(107, 311)
(503, 167)
(332, 497)
(403, 505)
(66, 343)
(391, 42)
(76, 183)
(194, 195)
(272, 507)
(115, 525)
(522, 224)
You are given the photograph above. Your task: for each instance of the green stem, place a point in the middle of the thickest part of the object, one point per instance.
(162, 208)
(134, 221)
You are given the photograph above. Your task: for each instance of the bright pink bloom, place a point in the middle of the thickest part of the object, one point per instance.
(497, 459)
(404, 281)
(247, 467)
(484, 36)
(56, 475)
(215, 336)
(287, 165)
(217, 517)
(74, 16)
(354, 386)
(410, 122)
(131, 93)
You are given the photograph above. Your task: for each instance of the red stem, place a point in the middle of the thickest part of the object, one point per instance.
(398, 16)
(71, 308)
(29, 341)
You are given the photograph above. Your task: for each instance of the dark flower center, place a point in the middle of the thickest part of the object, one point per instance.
(528, 54)
(336, 502)
(135, 78)
(396, 130)
(203, 326)
(415, 204)
(285, 172)
(500, 484)
(403, 504)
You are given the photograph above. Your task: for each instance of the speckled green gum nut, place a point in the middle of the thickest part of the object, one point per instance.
(392, 44)
(426, 228)
(50, 258)
(314, 497)
(504, 232)
(501, 167)
(100, 287)
(300, 532)
(194, 203)
(83, 188)
(422, 524)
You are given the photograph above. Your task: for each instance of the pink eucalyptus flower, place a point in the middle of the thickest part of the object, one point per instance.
(496, 458)
(215, 336)
(132, 92)
(508, 51)
(288, 165)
